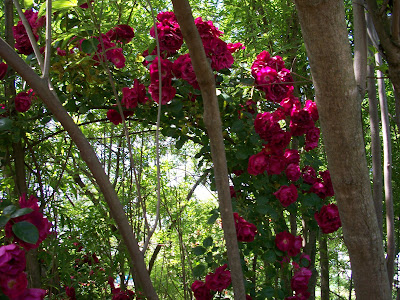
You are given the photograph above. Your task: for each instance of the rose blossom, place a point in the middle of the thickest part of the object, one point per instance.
(219, 280)
(61, 52)
(22, 102)
(200, 291)
(286, 194)
(122, 33)
(293, 172)
(245, 231)
(233, 47)
(13, 286)
(312, 138)
(3, 70)
(167, 94)
(300, 280)
(257, 163)
(309, 175)
(328, 218)
(132, 96)
(275, 165)
(284, 241)
(114, 116)
(326, 177)
(297, 244)
(12, 260)
(292, 156)
(311, 108)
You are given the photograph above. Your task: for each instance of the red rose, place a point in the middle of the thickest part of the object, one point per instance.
(326, 177)
(275, 165)
(114, 116)
(286, 194)
(311, 108)
(12, 260)
(293, 172)
(219, 280)
(292, 156)
(284, 241)
(299, 282)
(167, 94)
(312, 138)
(257, 163)
(309, 175)
(297, 244)
(22, 101)
(328, 218)
(3, 70)
(122, 33)
(245, 231)
(200, 291)
(13, 286)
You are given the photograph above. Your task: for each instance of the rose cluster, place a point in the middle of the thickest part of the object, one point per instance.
(299, 284)
(288, 243)
(131, 97)
(245, 231)
(271, 77)
(119, 294)
(170, 41)
(217, 281)
(22, 43)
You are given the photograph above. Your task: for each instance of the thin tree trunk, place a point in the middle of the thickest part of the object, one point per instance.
(376, 152)
(51, 100)
(387, 171)
(324, 264)
(326, 39)
(212, 120)
(360, 46)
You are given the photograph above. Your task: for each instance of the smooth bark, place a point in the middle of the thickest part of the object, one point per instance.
(376, 152)
(387, 171)
(51, 100)
(323, 24)
(360, 45)
(212, 121)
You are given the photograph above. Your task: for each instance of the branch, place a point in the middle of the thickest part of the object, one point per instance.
(212, 120)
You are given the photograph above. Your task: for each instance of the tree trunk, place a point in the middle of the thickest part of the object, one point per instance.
(387, 171)
(376, 152)
(212, 120)
(326, 39)
(324, 264)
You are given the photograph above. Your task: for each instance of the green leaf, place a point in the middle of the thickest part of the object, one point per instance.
(199, 270)
(267, 292)
(21, 212)
(247, 81)
(4, 220)
(89, 46)
(208, 242)
(28, 3)
(5, 124)
(63, 4)
(199, 250)
(26, 231)
(213, 218)
(269, 256)
(8, 210)
(150, 57)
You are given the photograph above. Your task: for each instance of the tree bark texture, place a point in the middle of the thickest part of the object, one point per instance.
(326, 39)
(212, 121)
(51, 100)
(360, 46)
